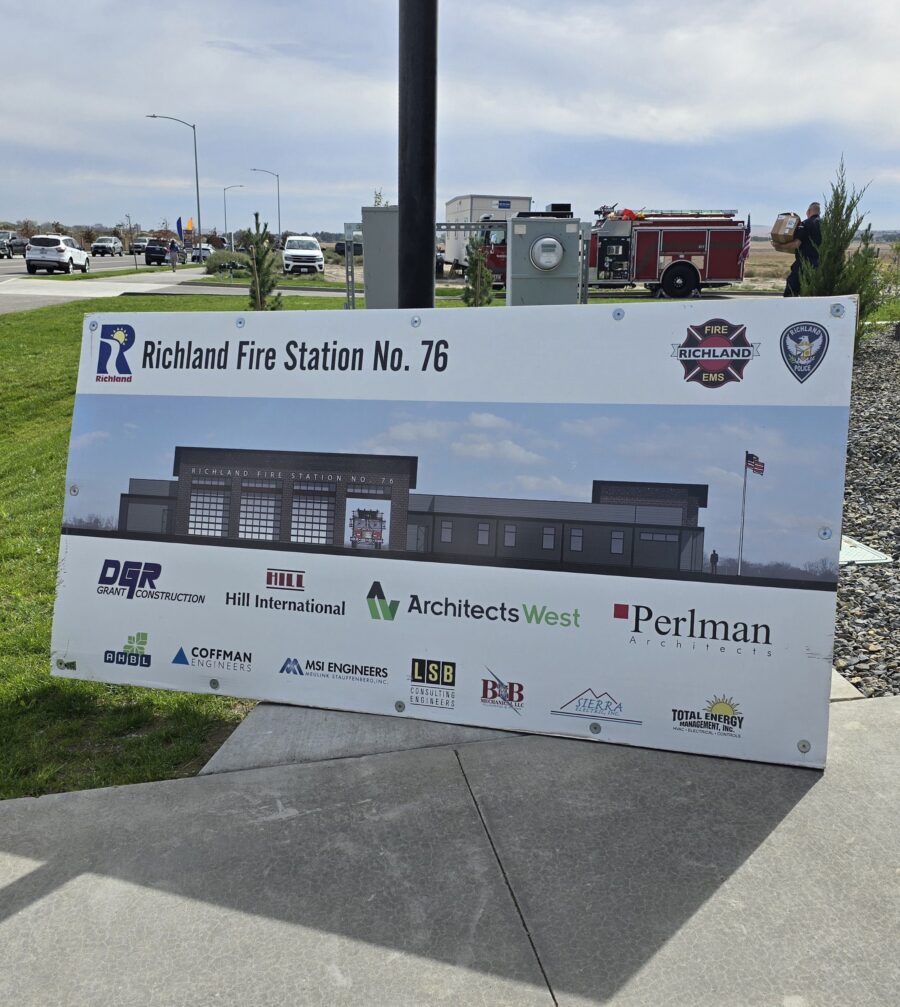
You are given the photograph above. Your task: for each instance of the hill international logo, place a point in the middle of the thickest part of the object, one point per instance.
(715, 353)
(379, 606)
(112, 362)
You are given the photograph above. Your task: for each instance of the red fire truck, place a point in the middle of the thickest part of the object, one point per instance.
(367, 529)
(493, 237)
(676, 252)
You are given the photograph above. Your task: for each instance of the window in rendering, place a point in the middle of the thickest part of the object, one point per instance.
(312, 516)
(208, 513)
(576, 540)
(617, 543)
(509, 536)
(549, 537)
(484, 534)
(260, 516)
(446, 531)
(365, 490)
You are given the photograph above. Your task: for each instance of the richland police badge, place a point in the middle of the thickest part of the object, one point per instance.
(803, 348)
(715, 353)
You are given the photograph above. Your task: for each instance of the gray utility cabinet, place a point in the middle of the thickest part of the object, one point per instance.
(381, 248)
(542, 260)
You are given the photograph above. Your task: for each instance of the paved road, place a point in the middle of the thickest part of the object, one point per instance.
(99, 264)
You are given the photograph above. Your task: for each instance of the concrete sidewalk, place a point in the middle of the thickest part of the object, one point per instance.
(521, 871)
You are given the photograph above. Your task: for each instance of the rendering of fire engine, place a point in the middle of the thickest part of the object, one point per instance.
(676, 252)
(367, 529)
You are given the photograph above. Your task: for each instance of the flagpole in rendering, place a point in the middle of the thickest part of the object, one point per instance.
(743, 511)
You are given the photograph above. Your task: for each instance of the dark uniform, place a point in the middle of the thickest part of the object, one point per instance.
(809, 234)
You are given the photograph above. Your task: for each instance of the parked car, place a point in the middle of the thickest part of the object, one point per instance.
(11, 244)
(303, 254)
(156, 253)
(138, 245)
(55, 252)
(204, 249)
(107, 245)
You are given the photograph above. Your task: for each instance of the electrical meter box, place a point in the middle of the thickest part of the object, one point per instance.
(381, 246)
(542, 260)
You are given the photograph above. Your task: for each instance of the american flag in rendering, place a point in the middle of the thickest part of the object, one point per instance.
(745, 250)
(753, 463)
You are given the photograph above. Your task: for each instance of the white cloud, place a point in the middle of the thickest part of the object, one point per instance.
(489, 421)
(555, 487)
(485, 449)
(90, 438)
(595, 426)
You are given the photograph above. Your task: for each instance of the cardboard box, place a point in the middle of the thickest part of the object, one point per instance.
(784, 229)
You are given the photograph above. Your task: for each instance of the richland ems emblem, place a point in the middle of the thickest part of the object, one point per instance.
(715, 353)
(803, 348)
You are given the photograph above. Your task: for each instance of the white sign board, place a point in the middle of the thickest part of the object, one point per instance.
(618, 524)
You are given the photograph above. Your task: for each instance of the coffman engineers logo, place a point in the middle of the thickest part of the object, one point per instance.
(115, 342)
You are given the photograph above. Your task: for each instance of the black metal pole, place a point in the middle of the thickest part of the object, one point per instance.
(416, 175)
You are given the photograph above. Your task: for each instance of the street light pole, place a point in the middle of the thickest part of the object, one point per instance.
(225, 205)
(278, 192)
(192, 126)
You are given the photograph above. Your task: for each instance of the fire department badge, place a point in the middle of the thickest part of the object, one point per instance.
(803, 348)
(715, 353)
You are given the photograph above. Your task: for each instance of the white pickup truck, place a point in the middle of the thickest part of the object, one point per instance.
(303, 254)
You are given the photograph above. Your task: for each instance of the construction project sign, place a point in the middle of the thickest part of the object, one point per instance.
(614, 524)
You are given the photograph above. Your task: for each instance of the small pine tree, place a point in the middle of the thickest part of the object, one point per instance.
(841, 271)
(263, 269)
(478, 291)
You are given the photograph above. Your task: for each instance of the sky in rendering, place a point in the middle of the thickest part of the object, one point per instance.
(538, 452)
(699, 104)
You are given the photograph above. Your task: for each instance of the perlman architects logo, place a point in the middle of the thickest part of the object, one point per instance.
(115, 342)
(693, 632)
(715, 353)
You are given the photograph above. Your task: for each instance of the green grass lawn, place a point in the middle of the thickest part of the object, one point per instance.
(58, 734)
(109, 273)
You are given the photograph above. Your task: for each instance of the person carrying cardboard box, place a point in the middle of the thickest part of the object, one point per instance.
(805, 246)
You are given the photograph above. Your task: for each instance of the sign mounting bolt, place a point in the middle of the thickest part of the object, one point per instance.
(596, 728)
(399, 706)
(214, 683)
(837, 310)
(415, 321)
(803, 746)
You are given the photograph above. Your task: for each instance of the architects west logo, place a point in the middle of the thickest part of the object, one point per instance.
(115, 342)
(693, 632)
(214, 659)
(595, 706)
(379, 606)
(134, 653)
(496, 692)
(721, 716)
(803, 348)
(432, 682)
(715, 353)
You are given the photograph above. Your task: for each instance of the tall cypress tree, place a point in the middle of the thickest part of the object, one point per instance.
(263, 269)
(478, 290)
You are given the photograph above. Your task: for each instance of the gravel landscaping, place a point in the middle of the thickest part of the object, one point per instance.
(867, 633)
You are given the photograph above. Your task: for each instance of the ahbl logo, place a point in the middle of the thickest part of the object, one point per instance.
(115, 342)
(379, 606)
(291, 667)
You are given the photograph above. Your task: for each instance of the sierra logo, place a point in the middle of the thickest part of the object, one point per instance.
(379, 606)
(643, 620)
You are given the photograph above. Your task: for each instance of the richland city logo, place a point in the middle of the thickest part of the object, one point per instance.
(115, 342)
(134, 653)
(715, 353)
(432, 682)
(692, 632)
(721, 716)
(496, 692)
(593, 706)
(803, 348)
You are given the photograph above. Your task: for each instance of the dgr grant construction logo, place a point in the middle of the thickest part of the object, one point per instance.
(715, 353)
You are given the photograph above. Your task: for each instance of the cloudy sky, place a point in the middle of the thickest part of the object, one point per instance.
(537, 452)
(705, 103)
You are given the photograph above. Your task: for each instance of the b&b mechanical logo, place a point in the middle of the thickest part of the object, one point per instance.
(715, 353)
(115, 342)
(496, 692)
(721, 716)
(803, 348)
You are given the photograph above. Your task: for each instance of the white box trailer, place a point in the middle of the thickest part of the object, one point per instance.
(465, 209)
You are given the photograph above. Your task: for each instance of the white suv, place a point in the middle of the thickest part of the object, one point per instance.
(303, 254)
(107, 245)
(55, 251)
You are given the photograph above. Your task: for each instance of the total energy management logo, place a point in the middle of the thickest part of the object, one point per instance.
(715, 353)
(721, 717)
(112, 361)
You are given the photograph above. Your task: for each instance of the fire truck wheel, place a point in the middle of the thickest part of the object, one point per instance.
(679, 280)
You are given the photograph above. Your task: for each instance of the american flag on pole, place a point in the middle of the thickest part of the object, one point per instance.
(745, 250)
(753, 463)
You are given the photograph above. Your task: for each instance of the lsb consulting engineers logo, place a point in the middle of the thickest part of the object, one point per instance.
(115, 342)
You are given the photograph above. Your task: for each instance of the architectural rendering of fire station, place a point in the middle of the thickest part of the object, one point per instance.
(308, 500)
